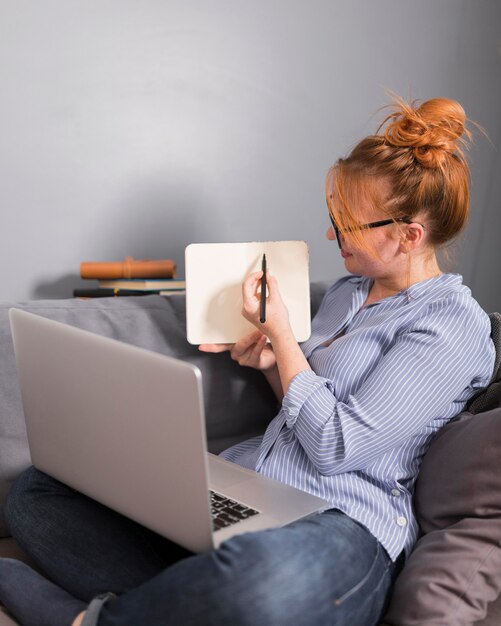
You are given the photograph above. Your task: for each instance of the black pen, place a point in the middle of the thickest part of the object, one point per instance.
(262, 317)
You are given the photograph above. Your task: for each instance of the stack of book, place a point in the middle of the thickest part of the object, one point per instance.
(130, 277)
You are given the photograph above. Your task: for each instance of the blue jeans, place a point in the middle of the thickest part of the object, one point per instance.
(323, 570)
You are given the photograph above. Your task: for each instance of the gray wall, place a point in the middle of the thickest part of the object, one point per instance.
(139, 126)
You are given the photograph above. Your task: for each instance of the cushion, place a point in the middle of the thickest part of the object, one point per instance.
(454, 571)
(490, 397)
(238, 401)
(493, 616)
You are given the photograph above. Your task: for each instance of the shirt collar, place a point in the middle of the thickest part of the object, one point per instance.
(416, 290)
(423, 287)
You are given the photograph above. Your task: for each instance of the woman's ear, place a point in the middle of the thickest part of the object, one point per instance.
(411, 238)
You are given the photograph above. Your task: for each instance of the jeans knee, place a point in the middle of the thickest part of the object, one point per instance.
(20, 503)
(253, 584)
(12, 502)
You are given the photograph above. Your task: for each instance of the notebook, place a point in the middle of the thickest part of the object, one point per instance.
(214, 276)
(126, 427)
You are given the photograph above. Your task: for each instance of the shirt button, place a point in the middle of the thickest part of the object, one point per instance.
(395, 492)
(401, 521)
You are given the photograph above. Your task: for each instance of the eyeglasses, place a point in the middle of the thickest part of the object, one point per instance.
(337, 230)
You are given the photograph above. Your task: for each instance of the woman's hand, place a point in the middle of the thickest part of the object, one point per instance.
(250, 351)
(290, 359)
(281, 360)
(277, 315)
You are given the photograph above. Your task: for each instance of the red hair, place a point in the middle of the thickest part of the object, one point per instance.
(413, 167)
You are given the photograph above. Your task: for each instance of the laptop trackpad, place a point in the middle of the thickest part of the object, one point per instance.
(222, 473)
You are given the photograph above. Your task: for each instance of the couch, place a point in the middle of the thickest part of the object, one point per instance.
(453, 575)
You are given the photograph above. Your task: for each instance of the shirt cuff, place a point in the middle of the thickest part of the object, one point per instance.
(301, 387)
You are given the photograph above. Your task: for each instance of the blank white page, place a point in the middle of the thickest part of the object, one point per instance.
(214, 276)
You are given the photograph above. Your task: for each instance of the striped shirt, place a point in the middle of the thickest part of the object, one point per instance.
(354, 428)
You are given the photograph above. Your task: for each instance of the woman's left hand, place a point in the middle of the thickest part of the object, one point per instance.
(277, 315)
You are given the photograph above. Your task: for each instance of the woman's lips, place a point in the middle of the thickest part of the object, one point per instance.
(345, 254)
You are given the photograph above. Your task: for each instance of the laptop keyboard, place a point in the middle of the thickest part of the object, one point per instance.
(226, 511)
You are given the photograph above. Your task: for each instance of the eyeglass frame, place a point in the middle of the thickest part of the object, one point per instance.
(401, 220)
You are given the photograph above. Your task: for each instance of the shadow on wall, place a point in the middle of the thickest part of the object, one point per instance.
(60, 288)
(156, 220)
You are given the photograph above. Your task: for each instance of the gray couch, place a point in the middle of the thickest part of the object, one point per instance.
(454, 574)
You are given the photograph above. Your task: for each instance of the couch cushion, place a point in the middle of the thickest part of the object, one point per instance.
(454, 571)
(493, 615)
(490, 397)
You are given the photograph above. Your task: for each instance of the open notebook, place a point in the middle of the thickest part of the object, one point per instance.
(214, 276)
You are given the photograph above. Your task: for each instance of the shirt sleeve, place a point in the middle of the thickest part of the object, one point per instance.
(440, 360)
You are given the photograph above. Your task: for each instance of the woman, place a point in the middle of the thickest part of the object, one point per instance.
(397, 348)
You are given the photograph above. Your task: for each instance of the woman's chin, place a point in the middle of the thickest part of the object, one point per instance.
(349, 262)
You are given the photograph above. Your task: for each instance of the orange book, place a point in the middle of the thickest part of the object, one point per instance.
(129, 268)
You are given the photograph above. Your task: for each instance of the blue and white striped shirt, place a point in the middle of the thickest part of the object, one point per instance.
(353, 430)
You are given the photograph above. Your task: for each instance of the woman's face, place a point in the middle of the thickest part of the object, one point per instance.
(383, 256)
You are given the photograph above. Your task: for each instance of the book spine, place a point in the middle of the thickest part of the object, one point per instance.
(128, 268)
(110, 293)
(172, 292)
(141, 284)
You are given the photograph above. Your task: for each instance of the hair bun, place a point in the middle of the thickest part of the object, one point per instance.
(434, 130)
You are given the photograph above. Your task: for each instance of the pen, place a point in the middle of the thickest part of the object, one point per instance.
(262, 317)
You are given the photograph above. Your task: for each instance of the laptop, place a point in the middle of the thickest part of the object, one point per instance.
(126, 427)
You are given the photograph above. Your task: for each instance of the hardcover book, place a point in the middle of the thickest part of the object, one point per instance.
(103, 292)
(144, 284)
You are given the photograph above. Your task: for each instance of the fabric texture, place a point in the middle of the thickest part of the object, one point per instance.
(33, 599)
(490, 397)
(92, 613)
(322, 570)
(453, 575)
(354, 428)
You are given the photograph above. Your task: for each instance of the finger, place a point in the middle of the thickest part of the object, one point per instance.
(272, 283)
(258, 348)
(250, 285)
(238, 353)
(246, 342)
(252, 341)
(215, 347)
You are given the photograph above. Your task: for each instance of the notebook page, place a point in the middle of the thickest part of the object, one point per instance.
(214, 276)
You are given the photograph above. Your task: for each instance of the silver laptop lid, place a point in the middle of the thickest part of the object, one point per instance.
(119, 423)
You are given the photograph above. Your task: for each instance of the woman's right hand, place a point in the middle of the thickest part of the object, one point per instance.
(253, 350)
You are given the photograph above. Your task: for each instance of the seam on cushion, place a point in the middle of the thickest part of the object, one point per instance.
(101, 309)
(44, 306)
(34, 305)
(480, 563)
(71, 308)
